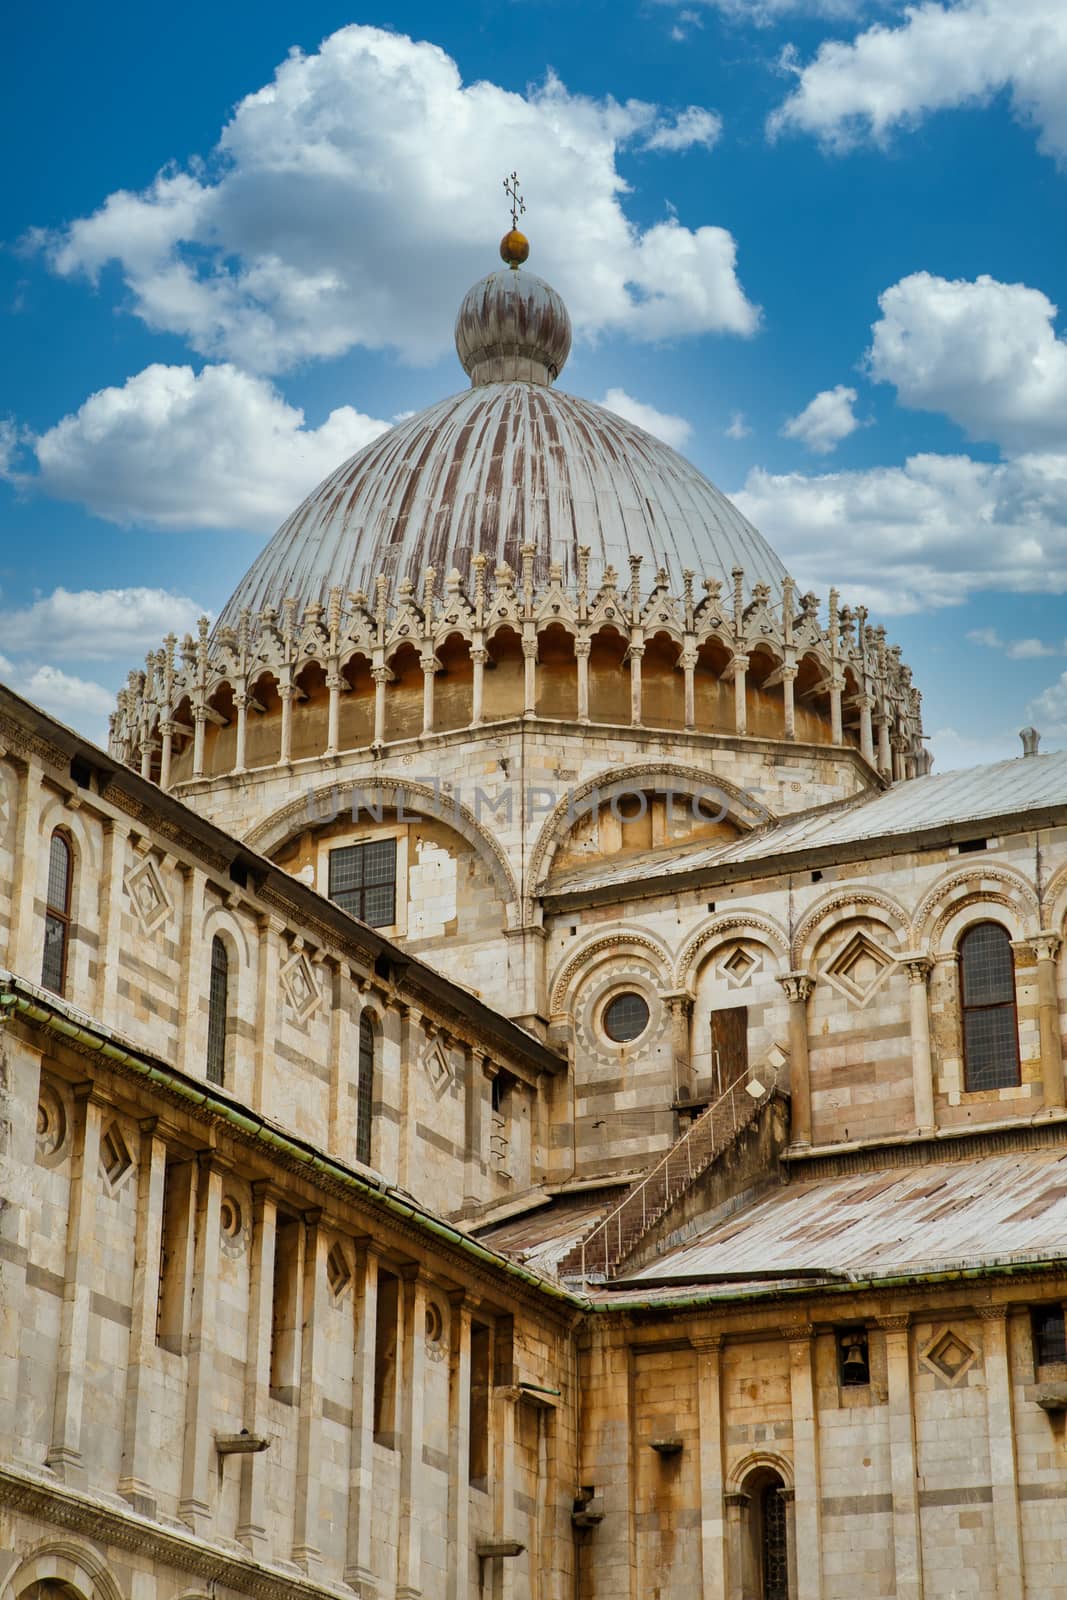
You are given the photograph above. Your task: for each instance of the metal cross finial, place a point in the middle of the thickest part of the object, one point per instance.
(518, 204)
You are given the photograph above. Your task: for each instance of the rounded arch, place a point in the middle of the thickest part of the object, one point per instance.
(754, 1465)
(1054, 907)
(737, 923)
(219, 921)
(68, 1562)
(957, 891)
(601, 947)
(330, 799)
(847, 905)
(741, 808)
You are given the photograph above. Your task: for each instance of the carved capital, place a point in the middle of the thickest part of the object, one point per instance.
(893, 1324)
(1046, 944)
(917, 965)
(797, 1331)
(992, 1313)
(797, 985)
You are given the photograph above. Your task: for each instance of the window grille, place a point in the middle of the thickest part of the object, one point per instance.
(775, 1544)
(990, 1028)
(363, 881)
(57, 915)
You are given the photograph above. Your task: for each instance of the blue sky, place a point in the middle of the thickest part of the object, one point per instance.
(819, 245)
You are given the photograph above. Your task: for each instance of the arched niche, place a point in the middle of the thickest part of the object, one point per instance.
(557, 673)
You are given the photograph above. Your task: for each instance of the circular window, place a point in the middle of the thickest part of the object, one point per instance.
(230, 1220)
(625, 1017)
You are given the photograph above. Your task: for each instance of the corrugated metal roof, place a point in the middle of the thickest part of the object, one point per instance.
(897, 1220)
(974, 794)
(490, 470)
(540, 1239)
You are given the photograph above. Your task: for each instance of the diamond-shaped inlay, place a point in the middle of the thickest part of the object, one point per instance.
(115, 1160)
(860, 969)
(438, 1067)
(738, 966)
(338, 1272)
(949, 1355)
(301, 990)
(150, 899)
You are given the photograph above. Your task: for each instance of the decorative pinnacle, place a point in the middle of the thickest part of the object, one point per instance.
(514, 246)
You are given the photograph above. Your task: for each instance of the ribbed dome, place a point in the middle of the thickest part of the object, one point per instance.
(512, 328)
(489, 470)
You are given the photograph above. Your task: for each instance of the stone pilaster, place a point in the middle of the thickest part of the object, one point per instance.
(412, 1384)
(712, 1474)
(1003, 1461)
(139, 1443)
(805, 1461)
(252, 1516)
(359, 1571)
(26, 938)
(918, 966)
(191, 1037)
(112, 902)
(306, 1552)
(459, 1408)
(1046, 947)
(907, 1538)
(194, 1506)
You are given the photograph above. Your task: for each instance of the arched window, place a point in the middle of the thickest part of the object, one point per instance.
(365, 1090)
(987, 998)
(218, 1008)
(57, 914)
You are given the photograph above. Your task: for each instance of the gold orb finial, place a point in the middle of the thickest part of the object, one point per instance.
(514, 246)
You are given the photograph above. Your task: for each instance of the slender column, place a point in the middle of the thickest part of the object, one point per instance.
(240, 700)
(529, 662)
(112, 901)
(680, 1005)
(381, 676)
(907, 1539)
(837, 735)
(798, 987)
(898, 760)
(459, 1413)
(138, 1453)
(166, 753)
(194, 1506)
(688, 661)
(20, 1071)
(26, 939)
(805, 1462)
(918, 967)
(191, 1040)
(285, 695)
(789, 710)
(358, 1564)
(65, 1452)
(333, 713)
(712, 1518)
(582, 647)
(885, 758)
(306, 1552)
(412, 1401)
(429, 667)
(1003, 1464)
(252, 1515)
(199, 719)
(478, 657)
(866, 705)
(738, 1509)
(635, 654)
(507, 1398)
(740, 702)
(344, 1050)
(1046, 946)
(147, 747)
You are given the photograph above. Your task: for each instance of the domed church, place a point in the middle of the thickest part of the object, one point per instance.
(519, 1082)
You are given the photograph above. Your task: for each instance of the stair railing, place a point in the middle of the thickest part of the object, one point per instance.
(740, 1103)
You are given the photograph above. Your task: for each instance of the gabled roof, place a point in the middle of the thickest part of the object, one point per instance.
(963, 803)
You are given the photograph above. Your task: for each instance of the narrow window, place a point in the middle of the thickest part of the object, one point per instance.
(175, 1249)
(365, 1090)
(481, 1343)
(363, 881)
(57, 915)
(1050, 1335)
(774, 1556)
(729, 1048)
(987, 988)
(218, 1012)
(285, 1311)
(385, 1341)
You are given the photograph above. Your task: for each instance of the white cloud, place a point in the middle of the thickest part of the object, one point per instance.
(673, 430)
(1048, 711)
(98, 624)
(1015, 649)
(82, 704)
(924, 535)
(763, 13)
(988, 637)
(825, 421)
(354, 199)
(177, 449)
(739, 428)
(939, 57)
(984, 353)
(693, 126)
